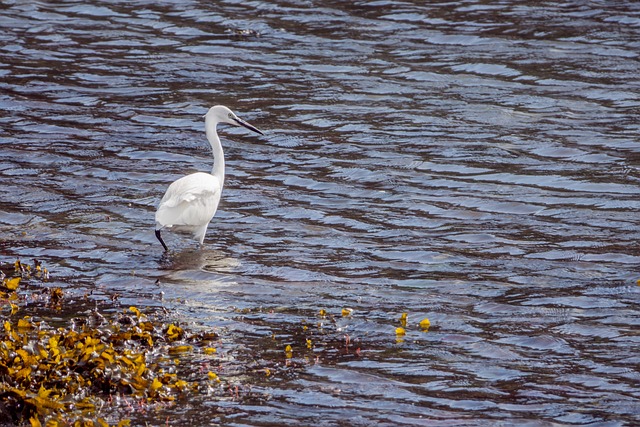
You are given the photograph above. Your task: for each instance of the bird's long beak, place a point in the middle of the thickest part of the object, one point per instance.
(242, 123)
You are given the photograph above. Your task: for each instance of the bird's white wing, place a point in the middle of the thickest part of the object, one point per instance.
(190, 201)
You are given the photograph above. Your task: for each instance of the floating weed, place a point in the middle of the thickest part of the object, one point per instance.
(347, 312)
(403, 320)
(425, 324)
(24, 270)
(174, 333)
(11, 284)
(74, 373)
(288, 351)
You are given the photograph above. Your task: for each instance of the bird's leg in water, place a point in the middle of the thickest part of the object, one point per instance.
(161, 241)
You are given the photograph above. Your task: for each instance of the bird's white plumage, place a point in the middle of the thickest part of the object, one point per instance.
(190, 202)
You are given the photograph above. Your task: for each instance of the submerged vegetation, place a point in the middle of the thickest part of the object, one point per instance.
(64, 362)
(79, 372)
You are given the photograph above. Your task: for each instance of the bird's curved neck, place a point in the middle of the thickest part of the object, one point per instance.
(216, 147)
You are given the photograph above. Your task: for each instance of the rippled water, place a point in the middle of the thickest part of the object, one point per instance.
(476, 163)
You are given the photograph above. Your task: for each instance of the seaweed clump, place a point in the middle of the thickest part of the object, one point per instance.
(84, 372)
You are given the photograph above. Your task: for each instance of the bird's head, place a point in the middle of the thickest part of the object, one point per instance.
(221, 114)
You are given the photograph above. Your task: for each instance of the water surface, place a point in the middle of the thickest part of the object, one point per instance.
(474, 163)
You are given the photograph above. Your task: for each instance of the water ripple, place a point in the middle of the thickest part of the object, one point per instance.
(473, 163)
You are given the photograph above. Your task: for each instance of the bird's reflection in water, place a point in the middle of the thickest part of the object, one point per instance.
(198, 261)
(200, 278)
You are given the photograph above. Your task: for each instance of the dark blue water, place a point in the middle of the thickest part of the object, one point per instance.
(474, 163)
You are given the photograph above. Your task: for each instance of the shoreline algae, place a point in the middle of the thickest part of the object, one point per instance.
(80, 372)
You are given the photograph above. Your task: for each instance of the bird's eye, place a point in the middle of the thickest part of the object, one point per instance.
(230, 116)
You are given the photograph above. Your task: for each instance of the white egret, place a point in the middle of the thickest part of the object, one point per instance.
(191, 201)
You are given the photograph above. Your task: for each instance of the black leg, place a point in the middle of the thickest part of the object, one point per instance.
(161, 241)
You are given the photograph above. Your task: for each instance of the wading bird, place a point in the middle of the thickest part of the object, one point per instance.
(191, 201)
